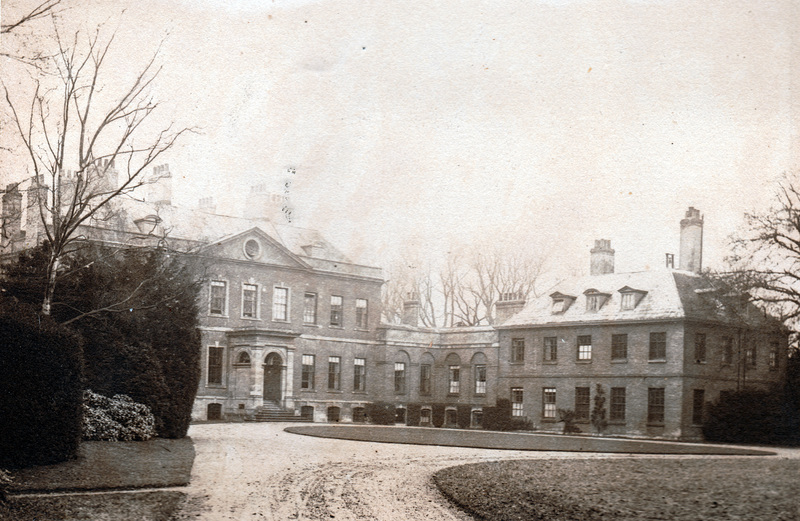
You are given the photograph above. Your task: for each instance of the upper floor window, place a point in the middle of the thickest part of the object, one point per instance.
(699, 348)
(619, 347)
(550, 349)
(584, 347)
(218, 302)
(480, 379)
(243, 358)
(425, 379)
(630, 297)
(280, 303)
(773, 355)
(454, 380)
(628, 301)
(310, 308)
(249, 300)
(336, 310)
(559, 305)
(361, 313)
(658, 346)
(334, 373)
(750, 355)
(359, 374)
(727, 350)
(517, 350)
(595, 300)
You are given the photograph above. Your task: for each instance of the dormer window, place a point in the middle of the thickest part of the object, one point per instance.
(595, 299)
(561, 302)
(630, 298)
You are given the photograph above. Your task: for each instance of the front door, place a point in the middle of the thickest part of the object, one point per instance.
(273, 369)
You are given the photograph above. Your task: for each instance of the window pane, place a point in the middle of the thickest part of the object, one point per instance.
(655, 405)
(658, 346)
(310, 308)
(217, 300)
(585, 347)
(334, 373)
(249, 300)
(582, 399)
(518, 350)
(359, 374)
(619, 347)
(455, 379)
(699, 347)
(215, 365)
(517, 402)
(307, 381)
(280, 303)
(550, 349)
(480, 379)
(617, 412)
(336, 310)
(399, 377)
(727, 350)
(361, 313)
(425, 379)
(549, 402)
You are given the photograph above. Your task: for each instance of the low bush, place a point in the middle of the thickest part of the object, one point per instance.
(380, 413)
(413, 414)
(498, 418)
(464, 415)
(749, 416)
(568, 417)
(116, 419)
(437, 414)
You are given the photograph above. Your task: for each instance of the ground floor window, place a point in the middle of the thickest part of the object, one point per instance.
(214, 411)
(516, 401)
(477, 418)
(215, 366)
(307, 412)
(425, 417)
(582, 403)
(359, 415)
(400, 415)
(655, 405)
(451, 417)
(549, 402)
(617, 405)
(333, 414)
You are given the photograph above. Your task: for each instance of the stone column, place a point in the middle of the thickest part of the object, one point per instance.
(256, 378)
(288, 379)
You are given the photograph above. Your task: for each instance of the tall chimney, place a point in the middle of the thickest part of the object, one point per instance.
(11, 220)
(602, 258)
(691, 255)
(507, 306)
(411, 307)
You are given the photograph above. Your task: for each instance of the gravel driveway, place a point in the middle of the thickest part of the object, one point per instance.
(258, 471)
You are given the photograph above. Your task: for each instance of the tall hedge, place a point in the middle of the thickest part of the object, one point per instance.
(464, 413)
(380, 413)
(437, 414)
(749, 416)
(41, 388)
(413, 414)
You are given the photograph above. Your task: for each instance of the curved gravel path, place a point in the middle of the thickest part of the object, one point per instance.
(256, 471)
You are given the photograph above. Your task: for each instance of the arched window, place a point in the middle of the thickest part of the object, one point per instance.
(243, 358)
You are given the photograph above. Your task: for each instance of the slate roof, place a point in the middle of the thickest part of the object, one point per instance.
(667, 294)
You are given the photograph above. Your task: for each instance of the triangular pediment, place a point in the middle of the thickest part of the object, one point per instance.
(253, 245)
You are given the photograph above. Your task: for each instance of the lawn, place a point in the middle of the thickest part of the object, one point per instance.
(754, 489)
(105, 466)
(512, 441)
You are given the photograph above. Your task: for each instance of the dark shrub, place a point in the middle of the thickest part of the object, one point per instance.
(498, 418)
(749, 416)
(41, 388)
(380, 413)
(464, 415)
(568, 417)
(437, 414)
(413, 415)
(520, 424)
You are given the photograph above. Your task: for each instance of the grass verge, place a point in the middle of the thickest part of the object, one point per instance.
(105, 466)
(513, 441)
(627, 489)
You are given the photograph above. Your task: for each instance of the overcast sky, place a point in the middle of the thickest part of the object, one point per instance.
(412, 126)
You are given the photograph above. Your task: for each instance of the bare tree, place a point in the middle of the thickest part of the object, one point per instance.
(78, 124)
(466, 287)
(766, 256)
(22, 51)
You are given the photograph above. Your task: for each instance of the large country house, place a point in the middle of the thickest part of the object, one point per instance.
(290, 325)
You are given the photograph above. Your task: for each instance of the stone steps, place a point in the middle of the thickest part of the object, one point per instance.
(272, 412)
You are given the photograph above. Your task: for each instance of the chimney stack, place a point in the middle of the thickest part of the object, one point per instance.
(411, 307)
(602, 258)
(691, 254)
(507, 306)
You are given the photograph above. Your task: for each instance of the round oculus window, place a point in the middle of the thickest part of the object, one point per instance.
(252, 248)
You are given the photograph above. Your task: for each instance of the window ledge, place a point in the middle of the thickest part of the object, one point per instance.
(235, 364)
(216, 386)
(282, 321)
(657, 361)
(217, 315)
(517, 363)
(550, 362)
(360, 392)
(583, 361)
(617, 422)
(335, 391)
(308, 390)
(250, 318)
(653, 424)
(453, 395)
(308, 324)
(335, 327)
(361, 329)
(549, 420)
(619, 360)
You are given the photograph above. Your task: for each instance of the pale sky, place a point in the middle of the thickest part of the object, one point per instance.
(414, 126)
